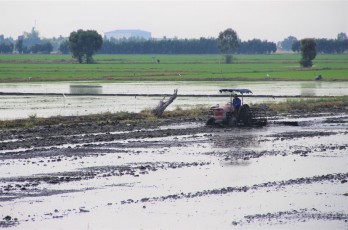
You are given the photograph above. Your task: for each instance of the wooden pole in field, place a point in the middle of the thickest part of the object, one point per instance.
(158, 111)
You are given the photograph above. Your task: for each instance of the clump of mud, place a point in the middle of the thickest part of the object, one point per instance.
(8, 221)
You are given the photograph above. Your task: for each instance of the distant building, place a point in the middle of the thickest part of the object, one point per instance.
(118, 34)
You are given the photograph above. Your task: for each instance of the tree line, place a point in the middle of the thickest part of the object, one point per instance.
(323, 45)
(30, 42)
(163, 46)
(42, 48)
(326, 46)
(181, 46)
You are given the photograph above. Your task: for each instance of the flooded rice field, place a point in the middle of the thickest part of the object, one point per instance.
(313, 88)
(173, 173)
(176, 174)
(19, 106)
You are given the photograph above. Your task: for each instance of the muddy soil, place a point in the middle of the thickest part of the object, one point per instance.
(176, 173)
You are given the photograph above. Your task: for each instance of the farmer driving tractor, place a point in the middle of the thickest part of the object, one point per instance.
(235, 112)
(236, 103)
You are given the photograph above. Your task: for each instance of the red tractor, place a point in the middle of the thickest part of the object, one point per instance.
(235, 113)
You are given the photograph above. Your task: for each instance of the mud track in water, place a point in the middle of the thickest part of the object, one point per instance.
(177, 172)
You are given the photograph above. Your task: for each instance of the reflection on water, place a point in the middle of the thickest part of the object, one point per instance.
(310, 88)
(86, 89)
(228, 139)
(321, 88)
(234, 162)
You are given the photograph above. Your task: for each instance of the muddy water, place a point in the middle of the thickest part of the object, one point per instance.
(313, 88)
(176, 176)
(45, 106)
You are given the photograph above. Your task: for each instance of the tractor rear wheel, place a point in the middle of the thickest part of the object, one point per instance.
(244, 115)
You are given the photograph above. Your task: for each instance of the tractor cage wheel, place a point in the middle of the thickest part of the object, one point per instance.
(259, 116)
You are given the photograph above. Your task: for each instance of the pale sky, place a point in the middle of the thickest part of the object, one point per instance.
(266, 20)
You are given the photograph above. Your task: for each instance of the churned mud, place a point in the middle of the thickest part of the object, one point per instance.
(176, 173)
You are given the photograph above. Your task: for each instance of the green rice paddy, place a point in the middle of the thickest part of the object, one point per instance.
(20, 68)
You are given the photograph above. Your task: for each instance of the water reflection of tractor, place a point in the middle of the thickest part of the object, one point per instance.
(236, 113)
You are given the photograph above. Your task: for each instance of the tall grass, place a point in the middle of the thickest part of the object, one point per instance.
(311, 105)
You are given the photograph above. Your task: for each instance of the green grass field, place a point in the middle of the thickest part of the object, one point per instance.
(171, 67)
